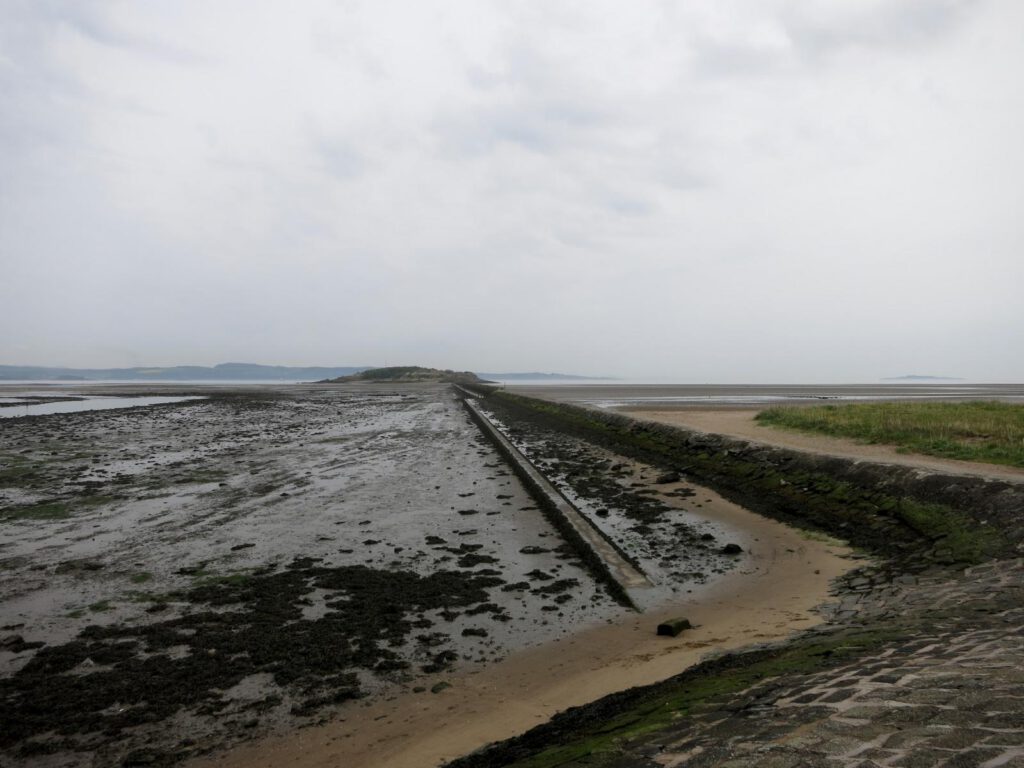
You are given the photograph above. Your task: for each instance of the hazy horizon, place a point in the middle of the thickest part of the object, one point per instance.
(709, 192)
(597, 378)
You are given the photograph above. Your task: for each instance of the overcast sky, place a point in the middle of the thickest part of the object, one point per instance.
(710, 191)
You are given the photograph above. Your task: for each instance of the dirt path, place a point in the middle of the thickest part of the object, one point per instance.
(782, 577)
(740, 423)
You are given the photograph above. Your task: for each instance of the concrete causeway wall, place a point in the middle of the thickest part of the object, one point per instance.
(597, 552)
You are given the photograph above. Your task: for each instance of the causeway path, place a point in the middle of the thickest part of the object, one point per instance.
(740, 423)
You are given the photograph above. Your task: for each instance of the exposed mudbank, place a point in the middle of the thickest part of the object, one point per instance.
(177, 578)
(243, 646)
(196, 573)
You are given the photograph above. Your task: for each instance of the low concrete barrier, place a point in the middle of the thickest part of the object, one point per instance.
(598, 552)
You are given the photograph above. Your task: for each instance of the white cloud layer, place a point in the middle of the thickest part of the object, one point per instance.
(703, 191)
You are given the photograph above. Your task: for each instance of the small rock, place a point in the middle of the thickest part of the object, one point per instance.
(438, 687)
(732, 549)
(667, 477)
(533, 550)
(673, 627)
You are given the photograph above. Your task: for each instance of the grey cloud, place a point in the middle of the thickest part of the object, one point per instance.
(341, 159)
(723, 191)
(731, 59)
(538, 125)
(819, 30)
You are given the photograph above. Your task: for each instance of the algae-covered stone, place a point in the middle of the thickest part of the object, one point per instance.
(673, 627)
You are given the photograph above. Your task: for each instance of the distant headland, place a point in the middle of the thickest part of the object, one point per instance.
(917, 377)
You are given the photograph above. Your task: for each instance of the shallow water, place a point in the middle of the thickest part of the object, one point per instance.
(22, 408)
(620, 395)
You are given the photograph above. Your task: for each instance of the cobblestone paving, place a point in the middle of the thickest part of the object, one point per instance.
(950, 694)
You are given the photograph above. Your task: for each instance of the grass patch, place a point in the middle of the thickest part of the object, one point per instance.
(205, 578)
(51, 510)
(97, 500)
(13, 473)
(957, 538)
(201, 477)
(141, 578)
(983, 431)
(47, 510)
(101, 606)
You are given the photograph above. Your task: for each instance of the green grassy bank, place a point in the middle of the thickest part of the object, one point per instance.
(985, 431)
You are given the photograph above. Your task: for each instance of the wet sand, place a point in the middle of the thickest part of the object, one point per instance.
(740, 423)
(772, 593)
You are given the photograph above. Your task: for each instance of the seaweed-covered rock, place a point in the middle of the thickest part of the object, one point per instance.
(673, 627)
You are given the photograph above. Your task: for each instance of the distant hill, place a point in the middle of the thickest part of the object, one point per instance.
(407, 374)
(222, 372)
(915, 377)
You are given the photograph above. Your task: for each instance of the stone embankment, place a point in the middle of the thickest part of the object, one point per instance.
(948, 692)
(920, 659)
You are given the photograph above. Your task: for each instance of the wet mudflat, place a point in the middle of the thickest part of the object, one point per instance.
(177, 577)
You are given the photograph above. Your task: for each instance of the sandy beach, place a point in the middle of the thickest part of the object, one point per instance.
(783, 576)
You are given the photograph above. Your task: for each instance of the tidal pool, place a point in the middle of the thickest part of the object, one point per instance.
(13, 408)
